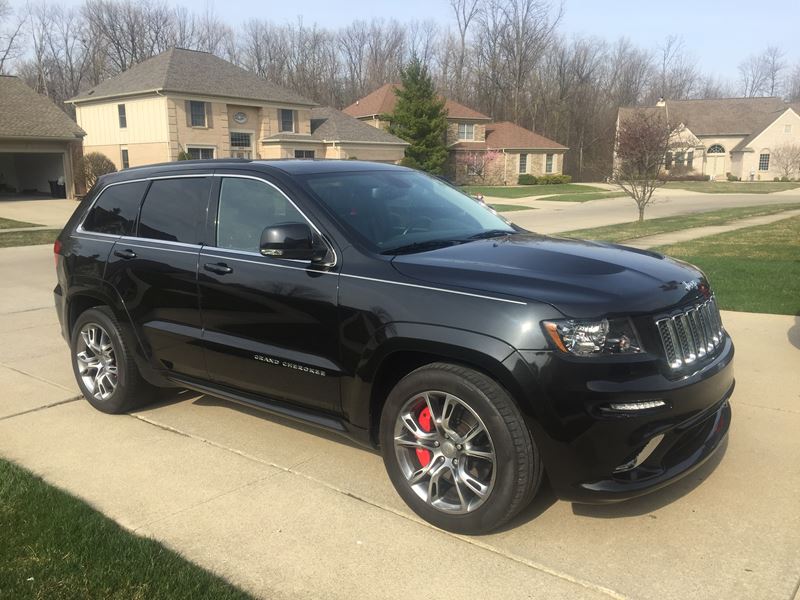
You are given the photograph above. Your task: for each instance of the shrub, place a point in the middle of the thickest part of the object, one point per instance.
(554, 179)
(526, 179)
(93, 165)
(732, 177)
(184, 155)
(776, 179)
(784, 178)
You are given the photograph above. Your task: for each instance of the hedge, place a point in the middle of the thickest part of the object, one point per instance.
(526, 179)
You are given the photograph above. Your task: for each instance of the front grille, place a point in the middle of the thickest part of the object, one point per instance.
(690, 334)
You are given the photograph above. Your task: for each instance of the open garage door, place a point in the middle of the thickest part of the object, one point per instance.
(31, 173)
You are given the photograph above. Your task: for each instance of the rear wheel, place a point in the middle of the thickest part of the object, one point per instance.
(457, 449)
(104, 366)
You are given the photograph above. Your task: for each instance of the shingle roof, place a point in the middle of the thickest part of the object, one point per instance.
(507, 135)
(24, 113)
(720, 116)
(333, 125)
(192, 72)
(383, 100)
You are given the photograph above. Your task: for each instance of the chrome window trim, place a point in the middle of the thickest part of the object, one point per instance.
(388, 281)
(330, 246)
(196, 251)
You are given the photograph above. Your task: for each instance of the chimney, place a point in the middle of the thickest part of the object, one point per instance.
(661, 102)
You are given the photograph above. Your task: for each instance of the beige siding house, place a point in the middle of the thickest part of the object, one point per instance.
(39, 144)
(736, 136)
(481, 151)
(185, 101)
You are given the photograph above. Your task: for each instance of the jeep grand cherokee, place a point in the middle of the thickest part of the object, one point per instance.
(383, 304)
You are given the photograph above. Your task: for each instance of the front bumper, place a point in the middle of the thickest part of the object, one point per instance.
(593, 455)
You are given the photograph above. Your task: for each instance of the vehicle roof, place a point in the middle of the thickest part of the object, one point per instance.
(288, 166)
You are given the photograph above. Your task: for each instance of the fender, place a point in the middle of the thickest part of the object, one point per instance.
(477, 350)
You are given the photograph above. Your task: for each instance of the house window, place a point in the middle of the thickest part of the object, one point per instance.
(197, 113)
(125, 162)
(689, 160)
(787, 129)
(287, 119)
(763, 162)
(716, 149)
(200, 153)
(523, 163)
(548, 163)
(679, 159)
(241, 145)
(304, 154)
(466, 131)
(668, 161)
(123, 118)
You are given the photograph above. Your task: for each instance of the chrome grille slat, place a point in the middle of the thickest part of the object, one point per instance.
(691, 333)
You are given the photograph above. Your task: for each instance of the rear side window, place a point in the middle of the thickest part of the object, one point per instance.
(175, 210)
(246, 208)
(116, 209)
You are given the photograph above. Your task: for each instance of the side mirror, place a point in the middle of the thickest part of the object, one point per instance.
(292, 241)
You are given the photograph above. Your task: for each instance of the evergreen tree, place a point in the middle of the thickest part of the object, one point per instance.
(420, 118)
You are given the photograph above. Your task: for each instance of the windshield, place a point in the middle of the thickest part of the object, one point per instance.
(399, 211)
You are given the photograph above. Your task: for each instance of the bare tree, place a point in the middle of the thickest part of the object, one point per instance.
(11, 26)
(643, 139)
(793, 85)
(677, 75)
(753, 76)
(774, 65)
(786, 159)
(465, 12)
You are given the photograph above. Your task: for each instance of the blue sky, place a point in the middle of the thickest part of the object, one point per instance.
(720, 34)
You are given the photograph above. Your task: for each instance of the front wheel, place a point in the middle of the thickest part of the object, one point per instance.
(457, 449)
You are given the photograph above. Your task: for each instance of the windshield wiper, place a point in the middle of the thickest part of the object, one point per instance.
(490, 233)
(421, 246)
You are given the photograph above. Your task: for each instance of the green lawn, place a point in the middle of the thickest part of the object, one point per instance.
(525, 191)
(634, 229)
(55, 546)
(584, 197)
(12, 224)
(28, 238)
(733, 187)
(756, 269)
(510, 207)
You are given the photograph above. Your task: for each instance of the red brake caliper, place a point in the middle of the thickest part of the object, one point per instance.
(423, 455)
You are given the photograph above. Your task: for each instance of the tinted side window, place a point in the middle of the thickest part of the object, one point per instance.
(116, 209)
(246, 207)
(175, 210)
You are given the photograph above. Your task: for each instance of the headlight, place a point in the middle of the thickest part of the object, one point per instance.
(592, 338)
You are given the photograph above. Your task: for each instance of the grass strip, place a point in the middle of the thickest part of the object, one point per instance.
(56, 546)
(12, 224)
(633, 229)
(526, 191)
(510, 207)
(28, 238)
(733, 187)
(755, 269)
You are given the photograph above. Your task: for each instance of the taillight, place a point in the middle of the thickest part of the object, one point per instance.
(56, 251)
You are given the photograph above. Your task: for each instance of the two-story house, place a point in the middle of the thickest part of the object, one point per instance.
(199, 105)
(743, 137)
(481, 151)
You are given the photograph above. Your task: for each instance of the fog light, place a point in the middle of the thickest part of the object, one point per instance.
(643, 405)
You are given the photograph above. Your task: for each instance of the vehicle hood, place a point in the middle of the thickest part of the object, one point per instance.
(579, 278)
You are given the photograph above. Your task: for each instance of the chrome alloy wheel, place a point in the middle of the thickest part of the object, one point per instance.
(96, 361)
(445, 452)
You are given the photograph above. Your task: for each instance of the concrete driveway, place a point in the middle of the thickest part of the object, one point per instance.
(285, 511)
(50, 212)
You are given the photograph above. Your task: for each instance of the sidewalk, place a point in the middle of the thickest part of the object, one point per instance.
(288, 512)
(675, 237)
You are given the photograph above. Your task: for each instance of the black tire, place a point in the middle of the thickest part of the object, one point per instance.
(517, 465)
(131, 390)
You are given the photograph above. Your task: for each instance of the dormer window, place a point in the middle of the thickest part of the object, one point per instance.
(466, 131)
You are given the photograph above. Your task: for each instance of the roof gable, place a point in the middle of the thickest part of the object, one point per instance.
(741, 146)
(24, 113)
(329, 124)
(382, 101)
(192, 72)
(509, 135)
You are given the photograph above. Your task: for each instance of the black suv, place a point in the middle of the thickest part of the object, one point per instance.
(378, 302)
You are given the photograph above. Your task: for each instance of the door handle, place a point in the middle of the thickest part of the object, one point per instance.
(218, 268)
(127, 254)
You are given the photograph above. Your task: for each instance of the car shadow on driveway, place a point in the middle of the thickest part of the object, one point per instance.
(658, 499)
(794, 333)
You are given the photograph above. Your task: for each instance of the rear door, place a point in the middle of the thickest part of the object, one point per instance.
(271, 324)
(155, 272)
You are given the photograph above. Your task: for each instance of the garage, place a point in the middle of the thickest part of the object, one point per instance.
(39, 144)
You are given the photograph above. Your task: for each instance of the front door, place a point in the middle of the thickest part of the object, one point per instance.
(155, 273)
(270, 324)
